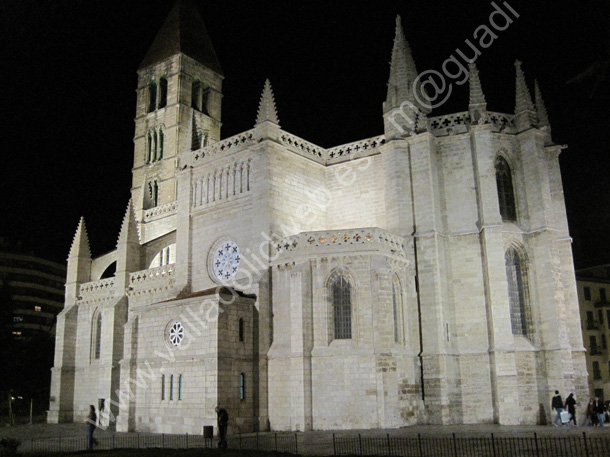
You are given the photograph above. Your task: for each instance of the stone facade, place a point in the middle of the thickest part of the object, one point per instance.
(421, 276)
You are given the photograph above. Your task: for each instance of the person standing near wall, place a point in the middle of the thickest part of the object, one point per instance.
(223, 423)
(91, 424)
(598, 409)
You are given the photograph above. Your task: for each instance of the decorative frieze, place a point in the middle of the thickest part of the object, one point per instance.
(351, 241)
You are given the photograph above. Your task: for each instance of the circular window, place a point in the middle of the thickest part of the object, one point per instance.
(175, 333)
(224, 260)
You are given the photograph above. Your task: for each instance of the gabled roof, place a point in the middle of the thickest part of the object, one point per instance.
(183, 32)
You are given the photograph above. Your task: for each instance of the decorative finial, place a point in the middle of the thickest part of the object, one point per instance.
(525, 113)
(266, 107)
(129, 228)
(80, 242)
(543, 116)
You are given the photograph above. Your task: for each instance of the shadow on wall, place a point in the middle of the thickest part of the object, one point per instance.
(542, 419)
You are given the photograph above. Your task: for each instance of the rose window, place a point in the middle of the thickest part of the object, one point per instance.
(226, 261)
(176, 333)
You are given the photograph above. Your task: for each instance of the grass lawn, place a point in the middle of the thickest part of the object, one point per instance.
(170, 453)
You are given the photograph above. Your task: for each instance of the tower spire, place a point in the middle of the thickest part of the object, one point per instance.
(266, 107)
(402, 70)
(406, 102)
(477, 105)
(525, 113)
(183, 32)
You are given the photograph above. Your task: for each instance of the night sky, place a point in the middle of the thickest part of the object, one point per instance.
(68, 80)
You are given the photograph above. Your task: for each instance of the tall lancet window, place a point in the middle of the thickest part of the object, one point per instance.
(161, 139)
(163, 92)
(506, 194)
(518, 296)
(150, 148)
(96, 335)
(397, 309)
(152, 96)
(340, 291)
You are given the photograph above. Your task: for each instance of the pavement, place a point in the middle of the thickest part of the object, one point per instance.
(321, 442)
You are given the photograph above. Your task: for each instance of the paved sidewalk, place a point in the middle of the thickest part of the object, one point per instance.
(321, 442)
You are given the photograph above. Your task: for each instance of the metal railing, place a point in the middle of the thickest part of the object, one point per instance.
(115, 441)
(261, 442)
(267, 442)
(535, 446)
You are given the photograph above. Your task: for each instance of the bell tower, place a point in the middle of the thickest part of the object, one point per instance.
(178, 105)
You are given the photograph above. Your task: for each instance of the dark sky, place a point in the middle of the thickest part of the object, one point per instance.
(68, 79)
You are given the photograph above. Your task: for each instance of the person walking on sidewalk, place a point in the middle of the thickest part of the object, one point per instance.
(557, 405)
(571, 407)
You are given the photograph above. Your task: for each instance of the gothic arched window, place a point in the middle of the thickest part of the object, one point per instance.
(96, 335)
(163, 92)
(152, 96)
(155, 146)
(340, 291)
(397, 309)
(150, 148)
(506, 194)
(161, 139)
(518, 297)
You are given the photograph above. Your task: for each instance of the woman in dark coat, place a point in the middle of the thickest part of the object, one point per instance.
(91, 423)
(571, 407)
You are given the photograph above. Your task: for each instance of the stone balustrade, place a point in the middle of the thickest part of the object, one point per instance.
(93, 288)
(457, 122)
(160, 211)
(355, 149)
(152, 276)
(230, 144)
(303, 148)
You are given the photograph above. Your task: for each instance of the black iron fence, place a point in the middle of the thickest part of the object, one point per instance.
(131, 441)
(287, 443)
(415, 446)
(418, 446)
(262, 442)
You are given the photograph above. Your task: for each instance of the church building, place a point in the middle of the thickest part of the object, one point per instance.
(423, 276)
